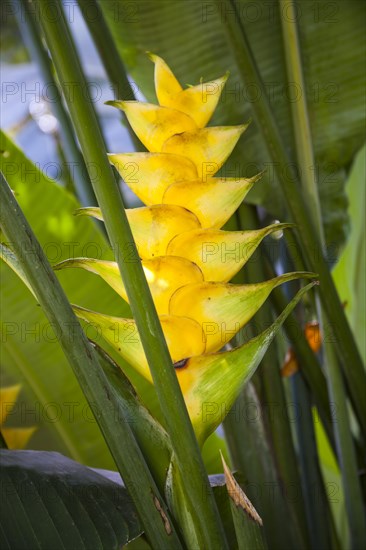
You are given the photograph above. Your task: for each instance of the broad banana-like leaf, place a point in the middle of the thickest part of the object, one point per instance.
(50, 501)
(220, 254)
(198, 101)
(150, 174)
(183, 336)
(222, 309)
(164, 274)
(208, 148)
(8, 256)
(204, 198)
(154, 125)
(153, 227)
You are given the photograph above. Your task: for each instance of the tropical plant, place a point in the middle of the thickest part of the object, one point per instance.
(178, 353)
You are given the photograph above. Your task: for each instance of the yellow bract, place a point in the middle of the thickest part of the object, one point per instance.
(150, 174)
(164, 274)
(208, 148)
(183, 336)
(166, 85)
(15, 437)
(219, 254)
(222, 309)
(153, 227)
(199, 101)
(203, 198)
(152, 124)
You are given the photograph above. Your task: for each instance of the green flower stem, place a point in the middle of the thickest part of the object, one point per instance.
(110, 201)
(83, 359)
(31, 32)
(305, 157)
(301, 124)
(346, 453)
(251, 455)
(306, 235)
(110, 57)
(310, 366)
(272, 393)
(317, 506)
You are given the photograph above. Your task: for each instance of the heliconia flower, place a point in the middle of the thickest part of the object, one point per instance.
(187, 258)
(15, 437)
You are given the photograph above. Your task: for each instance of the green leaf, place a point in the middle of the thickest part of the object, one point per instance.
(336, 108)
(8, 256)
(50, 501)
(349, 273)
(30, 350)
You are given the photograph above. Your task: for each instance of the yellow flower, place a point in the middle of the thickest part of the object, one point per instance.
(187, 258)
(15, 438)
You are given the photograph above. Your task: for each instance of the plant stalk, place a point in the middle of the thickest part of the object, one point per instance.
(114, 67)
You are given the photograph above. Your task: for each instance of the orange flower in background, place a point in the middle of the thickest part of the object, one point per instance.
(314, 337)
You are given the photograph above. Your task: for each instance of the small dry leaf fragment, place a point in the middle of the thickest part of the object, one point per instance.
(158, 506)
(238, 496)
